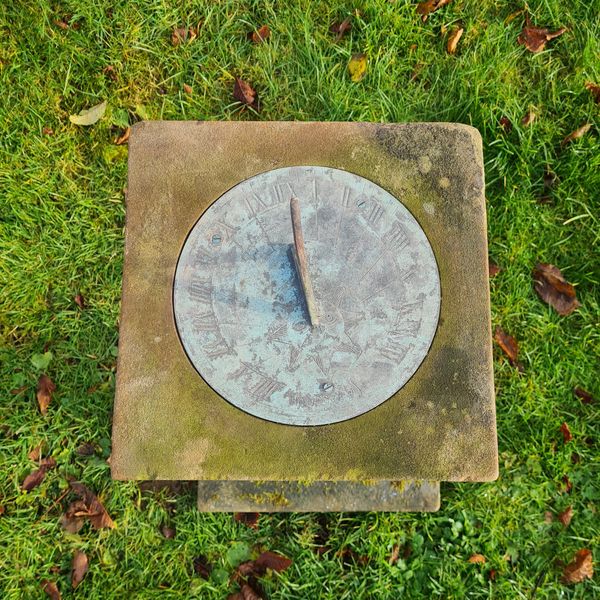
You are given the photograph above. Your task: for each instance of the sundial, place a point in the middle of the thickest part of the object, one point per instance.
(305, 319)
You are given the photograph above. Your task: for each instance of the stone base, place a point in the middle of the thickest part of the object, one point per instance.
(318, 496)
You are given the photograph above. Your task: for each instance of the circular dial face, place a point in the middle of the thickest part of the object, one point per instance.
(241, 312)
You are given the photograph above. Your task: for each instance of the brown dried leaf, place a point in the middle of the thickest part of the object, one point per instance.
(341, 28)
(535, 38)
(567, 483)
(61, 23)
(578, 133)
(509, 346)
(94, 510)
(36, 452)
(45, 389)
(394, 555)
(455, 36)
(70, 521)
(548, 517)
(506, 124)
(168, 532)
(183, 34)
(34, 479)
(86, 449)
(566, 432)
(584, 396)
(565, 516)
(110, 72)
(79, 300)
(202, 567)
(594, 89)
(248, 593)
(551, 287)
(528, 119)
(273, 561)
(79, 568)
(493, 268)
(47, 131)
(51, 589)
(426, 8)
(579, 568)
(187, 88)
(260, 35)
(247, 518)
(124, 137)
(243, 92)
(476, 558)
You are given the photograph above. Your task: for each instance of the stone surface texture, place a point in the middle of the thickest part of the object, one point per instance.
(169, 424)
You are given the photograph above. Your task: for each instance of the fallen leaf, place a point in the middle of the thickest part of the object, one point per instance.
(453, 40)
(509, 346)
(528, 119)
(567, 483)
(184, 34)
(124, 137)
(33, 479)
(62, 24)
(36, 452)
(394, 555)
(168, 532)
(202, 567)
(187, 88)
(260, 35)
(426, 8)
(535, 38)
(578, 133)
(94, 511)
(47, 131)
(248, 593)
(551, 287)
(492, 575)
(41, 361)
(110, 72)
(2, 510)
(341, 28)
(45, 389)
(273, 561)
(506, 124)
(595, 89)
(89, 116)
(51, 589)
(476, 558)
(579, 568)
(493, 268)
(79, 300)
(357, 66)
(548, 517)
(243, 92)
(71, 521)
(247, 518)
(565, 516)
(566, 432)
(235, 596)
(584, 396)
(79, 568)
(86, 449)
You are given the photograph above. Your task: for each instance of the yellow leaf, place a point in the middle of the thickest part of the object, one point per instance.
(90, 116)
(358, 66)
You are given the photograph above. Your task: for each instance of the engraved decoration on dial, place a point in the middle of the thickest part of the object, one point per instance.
(240, 311)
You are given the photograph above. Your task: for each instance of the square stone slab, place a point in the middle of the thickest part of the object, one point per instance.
(169, 424)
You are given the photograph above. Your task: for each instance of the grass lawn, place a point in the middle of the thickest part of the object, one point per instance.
(62, 208)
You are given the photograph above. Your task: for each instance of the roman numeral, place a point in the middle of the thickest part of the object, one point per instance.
(217, 349)
(396, 237)
(201, 290)
(206, 322)
(346, 197)
(393, 349)
(375, 214)
(203, 256)
(265, 388)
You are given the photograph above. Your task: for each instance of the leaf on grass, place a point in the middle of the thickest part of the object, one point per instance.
(426, 8)
(41, 361)
(535, 38)
(340, 28)
(36, 477)
(579, 568)
(506, 124)
(187, 88)
(566, 432)
(243, 92)
(168, 532)
(71, 521)
(477, 558)
(247, 518)
(80, 301)
(184, 34)
(453, 39)
(273, 561)
(393, 559)
(551, 287)
(51, 589)
(45, 389)
(202, 567)
(594, 89)
(110, 72)
(93, 509)
(260, 35)
(565, 516)
(493, 268)
(584, 396)
(124, 137)
(47, 131)
(249, 593)
(357, 66)
(567, 483)
(509, 346)
(528, 119)
(79, 568)
(578, 133)
(36, 452)
(548, 517)
(86, 449)
(89, 116)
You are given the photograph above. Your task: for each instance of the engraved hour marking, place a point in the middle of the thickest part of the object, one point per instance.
(206, 322)
(203, 256)
(346, 197)
(396, 237)
(375, 214)
(217, 349)
(393, 349)
(201, 290)
(265, 388)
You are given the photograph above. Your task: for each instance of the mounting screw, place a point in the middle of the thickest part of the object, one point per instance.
(216, 239)
(326, 387)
